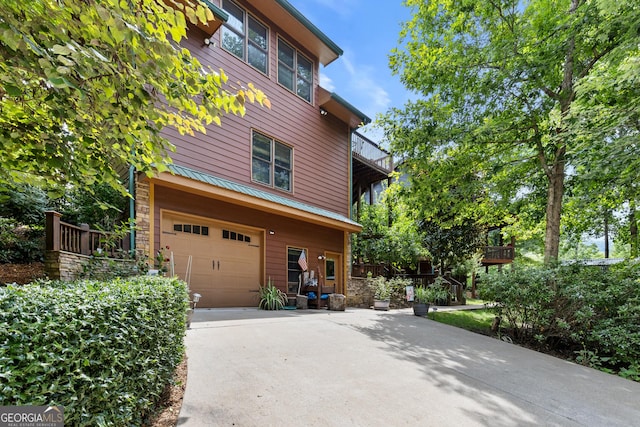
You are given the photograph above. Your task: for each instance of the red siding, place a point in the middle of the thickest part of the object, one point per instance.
(315, 239)
(320, 143)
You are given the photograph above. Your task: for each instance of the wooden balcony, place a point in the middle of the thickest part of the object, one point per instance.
(371, 154)
(498, 255)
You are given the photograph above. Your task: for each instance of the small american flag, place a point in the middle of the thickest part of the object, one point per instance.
(302, 261)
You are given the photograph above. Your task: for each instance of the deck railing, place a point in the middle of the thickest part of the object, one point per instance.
(62, 236)
(499, 253)
(369, 151)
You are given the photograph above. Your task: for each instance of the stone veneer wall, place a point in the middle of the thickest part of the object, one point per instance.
(61, 265)
(359, 292)
(143, 226)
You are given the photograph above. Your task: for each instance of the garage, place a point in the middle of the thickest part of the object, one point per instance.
(226, 266)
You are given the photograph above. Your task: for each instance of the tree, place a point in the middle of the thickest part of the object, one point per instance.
(390, 232)
(87, 86)
(498, 80)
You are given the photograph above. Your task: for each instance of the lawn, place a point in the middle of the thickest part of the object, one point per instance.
(472, 320)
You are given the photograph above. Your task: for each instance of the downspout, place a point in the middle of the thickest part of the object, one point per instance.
(132, 211)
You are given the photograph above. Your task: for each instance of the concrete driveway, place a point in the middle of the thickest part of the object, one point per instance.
(371, 368)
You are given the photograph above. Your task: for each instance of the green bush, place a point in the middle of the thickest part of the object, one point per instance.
(20, 243)
(104, 351)
(595, 312)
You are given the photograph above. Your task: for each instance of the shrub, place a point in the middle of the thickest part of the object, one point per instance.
(595, 312)
(20, 243)
(104, 351)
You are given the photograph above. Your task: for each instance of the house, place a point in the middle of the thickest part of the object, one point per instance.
(244, 200)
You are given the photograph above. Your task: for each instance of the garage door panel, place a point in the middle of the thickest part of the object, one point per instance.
(226, 266)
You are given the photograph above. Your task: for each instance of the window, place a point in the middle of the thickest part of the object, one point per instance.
(245, 37)
(203, 230)
(295, 72)
(293, 269)
(271, 162)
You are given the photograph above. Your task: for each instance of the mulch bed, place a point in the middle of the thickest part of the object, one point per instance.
(21, 273)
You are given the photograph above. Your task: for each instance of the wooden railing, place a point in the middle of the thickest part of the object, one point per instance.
(498, 253)
(62, 236)
(371, 152)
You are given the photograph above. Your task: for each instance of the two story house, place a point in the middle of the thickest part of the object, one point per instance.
(245, 199)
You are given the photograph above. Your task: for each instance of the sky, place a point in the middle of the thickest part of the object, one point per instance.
(366, 31)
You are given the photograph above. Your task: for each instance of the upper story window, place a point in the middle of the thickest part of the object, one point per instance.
(271, 162)
(295, 72)
(245, 37)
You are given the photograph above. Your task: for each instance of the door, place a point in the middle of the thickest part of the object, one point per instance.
(226, 258)
(333, 271)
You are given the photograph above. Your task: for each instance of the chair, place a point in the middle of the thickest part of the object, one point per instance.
(325, 291)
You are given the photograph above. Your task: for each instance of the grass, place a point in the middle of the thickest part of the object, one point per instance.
(471, 320)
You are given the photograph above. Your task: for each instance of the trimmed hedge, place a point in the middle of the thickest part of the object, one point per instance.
(104, 351)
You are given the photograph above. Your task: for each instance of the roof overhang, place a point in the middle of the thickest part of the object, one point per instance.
(219, 15)
(340, 108)
(284, 15)
(195, 182)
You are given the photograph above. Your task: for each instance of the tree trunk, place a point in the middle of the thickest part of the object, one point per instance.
(633, 228)
(554, 210)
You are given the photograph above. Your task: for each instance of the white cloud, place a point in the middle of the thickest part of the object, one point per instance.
(342, 8)
(326, 82)
(362, 81)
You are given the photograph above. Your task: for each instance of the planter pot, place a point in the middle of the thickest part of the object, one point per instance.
(381, 305)
(420, 309)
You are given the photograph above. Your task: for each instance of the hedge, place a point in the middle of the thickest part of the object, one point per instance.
(104, 351)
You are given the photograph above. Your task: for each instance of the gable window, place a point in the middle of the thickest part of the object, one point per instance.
(271, 162)
(245, 37)
(295, 72)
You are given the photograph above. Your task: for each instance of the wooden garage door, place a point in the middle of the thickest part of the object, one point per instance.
(226, 259)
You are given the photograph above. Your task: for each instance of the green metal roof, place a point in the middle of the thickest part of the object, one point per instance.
(217, 12)
(315, 30)
(365, 119)
(259, 194)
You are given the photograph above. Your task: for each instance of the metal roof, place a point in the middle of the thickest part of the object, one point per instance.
(259, 194)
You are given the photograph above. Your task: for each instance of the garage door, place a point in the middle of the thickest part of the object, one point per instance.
(226, 259)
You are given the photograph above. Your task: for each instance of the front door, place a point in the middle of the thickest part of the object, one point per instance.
(333, 271)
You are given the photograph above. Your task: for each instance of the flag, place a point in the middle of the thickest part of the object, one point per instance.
(302, 261)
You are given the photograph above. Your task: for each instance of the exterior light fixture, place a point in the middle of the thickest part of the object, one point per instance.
(323, 112)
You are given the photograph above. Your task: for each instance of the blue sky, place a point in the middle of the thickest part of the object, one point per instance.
(366, 31)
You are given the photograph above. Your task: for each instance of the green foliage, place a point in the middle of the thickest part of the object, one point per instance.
(20, 243)
(271, 298)
(493, 133)
(452, 245)
(389, 232)
(100, 206)
(393, 290)
(24, 202)
(382, 288)
(594, 310)
(430, 294)
(104, 351)
(87, 86)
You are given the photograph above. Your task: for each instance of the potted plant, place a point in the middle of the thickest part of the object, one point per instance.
(423, 297)
(382, 293)
(271, 298)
